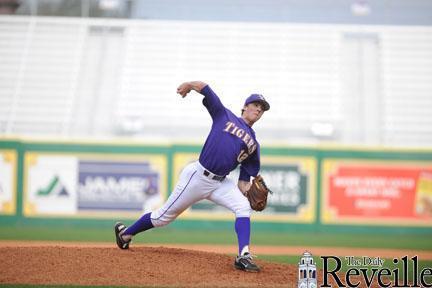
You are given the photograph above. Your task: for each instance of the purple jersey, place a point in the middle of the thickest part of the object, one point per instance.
(230, 142)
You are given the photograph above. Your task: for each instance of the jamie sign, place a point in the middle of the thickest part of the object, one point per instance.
(116, 185)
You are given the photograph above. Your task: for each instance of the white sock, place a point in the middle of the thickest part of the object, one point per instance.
(244, 250)
(126, 237)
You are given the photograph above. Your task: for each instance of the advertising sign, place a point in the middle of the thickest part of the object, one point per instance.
(108, 185)
(292, 180)
(8, 168)
(93, 184)
(377, 192)
(50, 184)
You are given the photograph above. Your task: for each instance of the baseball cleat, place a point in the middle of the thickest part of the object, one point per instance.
(245, 263)
(119, 229)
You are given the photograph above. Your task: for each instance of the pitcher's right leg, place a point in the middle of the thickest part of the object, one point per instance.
(184, 195)
(191, 187)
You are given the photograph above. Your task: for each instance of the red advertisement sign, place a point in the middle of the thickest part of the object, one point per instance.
(371, 191)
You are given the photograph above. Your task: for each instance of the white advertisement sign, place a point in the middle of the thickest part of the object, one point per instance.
(51, 184)
(8, 162)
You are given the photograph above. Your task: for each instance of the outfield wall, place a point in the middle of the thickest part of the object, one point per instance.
(315, 188)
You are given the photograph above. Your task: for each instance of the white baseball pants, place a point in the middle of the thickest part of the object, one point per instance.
(194, 186)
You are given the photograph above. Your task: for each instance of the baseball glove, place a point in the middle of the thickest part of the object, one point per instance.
(257, 194)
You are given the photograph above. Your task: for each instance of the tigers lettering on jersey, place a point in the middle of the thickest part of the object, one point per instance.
(230, 127)
(231, 141)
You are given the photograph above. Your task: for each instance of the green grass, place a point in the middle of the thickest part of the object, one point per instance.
(182, 236)
(417, 242)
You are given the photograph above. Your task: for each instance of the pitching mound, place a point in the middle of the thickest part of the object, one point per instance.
(138, 266)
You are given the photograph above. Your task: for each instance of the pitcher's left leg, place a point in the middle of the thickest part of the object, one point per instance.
(229, 196)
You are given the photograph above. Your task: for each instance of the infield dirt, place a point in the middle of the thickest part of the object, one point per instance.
(138, 266)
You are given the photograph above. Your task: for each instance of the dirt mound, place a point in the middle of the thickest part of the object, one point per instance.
(138, 266)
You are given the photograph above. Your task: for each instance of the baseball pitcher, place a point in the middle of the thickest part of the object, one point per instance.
(231, 142)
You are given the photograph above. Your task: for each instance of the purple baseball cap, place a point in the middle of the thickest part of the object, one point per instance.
(258, 98)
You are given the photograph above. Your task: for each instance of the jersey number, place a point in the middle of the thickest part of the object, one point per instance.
(242, 156)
